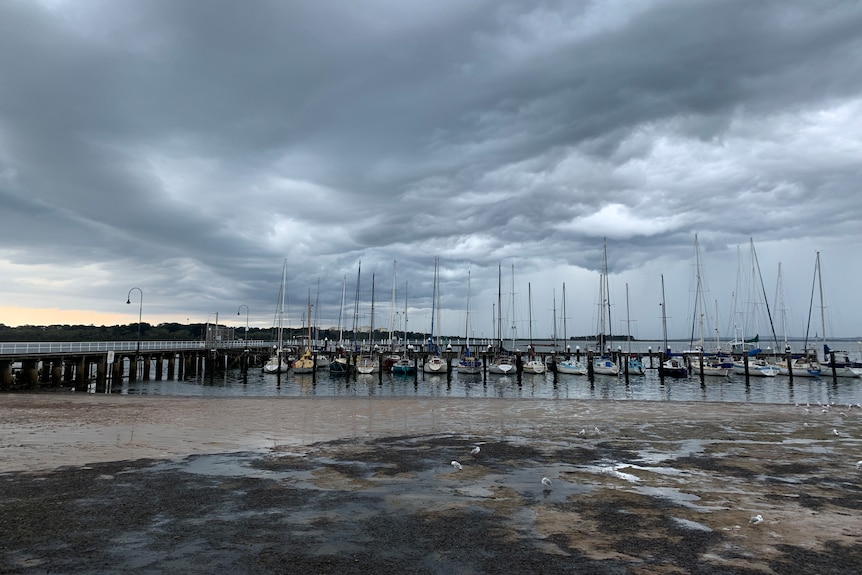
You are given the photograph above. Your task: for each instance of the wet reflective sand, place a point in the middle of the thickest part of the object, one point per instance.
(362, 484)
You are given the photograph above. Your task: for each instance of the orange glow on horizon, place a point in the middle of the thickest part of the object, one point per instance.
(17, 316)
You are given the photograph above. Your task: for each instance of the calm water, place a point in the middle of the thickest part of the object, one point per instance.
(648, 387)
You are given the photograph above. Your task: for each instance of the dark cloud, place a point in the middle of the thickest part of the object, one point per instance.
(193, 146)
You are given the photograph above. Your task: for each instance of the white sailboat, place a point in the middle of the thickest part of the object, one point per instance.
(368, 363)
(634, 364)
(503, 363)
(834, 362)
(435, 363)
(570, 364)
(800, 365)
(603, 364)
(469, 362)
(278, 362)
(714, 364)
(756, 366)
(672, 366)
(532, 365)
(305, 363)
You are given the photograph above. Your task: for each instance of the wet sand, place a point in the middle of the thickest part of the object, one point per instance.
(116, 484)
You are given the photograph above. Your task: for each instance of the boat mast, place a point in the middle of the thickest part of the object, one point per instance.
(356, 307)
(499, 304)
(554, 315)
(663, 316)
(763, 290)
(699, 310)
(514, 327)
(341, 311)
(565, 335)
(392, 307)
(604, 302)
(281, 306)
(308, 318)
(432, 346)
(467, 322)
(530, 313)
(628, 322)
(371, 332)
(405, 316)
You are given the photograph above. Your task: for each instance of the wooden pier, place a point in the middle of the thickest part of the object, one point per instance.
(77, 365)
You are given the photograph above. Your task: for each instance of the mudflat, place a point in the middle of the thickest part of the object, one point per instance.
(119, 484)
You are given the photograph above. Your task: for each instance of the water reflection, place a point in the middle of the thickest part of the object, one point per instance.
(545, 386)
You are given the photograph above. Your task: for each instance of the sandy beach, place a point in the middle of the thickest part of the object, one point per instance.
(357, 485)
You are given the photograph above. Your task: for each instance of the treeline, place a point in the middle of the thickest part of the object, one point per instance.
(171, 332)
(161, 332)
(197, 332)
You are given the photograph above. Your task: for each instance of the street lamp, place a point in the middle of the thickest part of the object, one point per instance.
(246, 318)
(140, 311)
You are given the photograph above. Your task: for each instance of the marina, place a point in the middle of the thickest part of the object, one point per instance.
(223, 379)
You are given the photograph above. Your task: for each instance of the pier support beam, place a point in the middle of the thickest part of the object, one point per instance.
(81, 369)
(5, 375)
(148, 361)
(101, 374)
(56, 372)
(29, 374)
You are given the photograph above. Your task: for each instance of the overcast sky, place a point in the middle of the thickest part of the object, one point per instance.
(188, 148)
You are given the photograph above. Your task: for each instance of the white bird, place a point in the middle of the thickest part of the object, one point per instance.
(596, 429)
(475, 450)
(457, 465)
(546, 482)
(859, 464)
(835, 432)
(582, 431)
(756, 519)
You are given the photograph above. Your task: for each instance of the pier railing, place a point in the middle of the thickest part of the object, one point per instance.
(63, 347)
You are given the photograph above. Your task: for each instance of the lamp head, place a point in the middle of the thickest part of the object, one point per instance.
(128, 300)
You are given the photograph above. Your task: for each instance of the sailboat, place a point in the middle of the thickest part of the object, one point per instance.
(672, 366)
(305, 363)
(277, 362)
(634, 363)
(712, 364)
(502, 363)
(532, 365)
(603, 364)
(756, 366)
(798, 365)
(340, 365)
(570, 364)
(834, 362)
(393, 356)
(368, 361)
(435, 363)
(404, 366)
(469, 363)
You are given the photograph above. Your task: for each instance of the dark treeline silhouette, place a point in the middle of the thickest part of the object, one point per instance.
(197, 331)
(175, 332)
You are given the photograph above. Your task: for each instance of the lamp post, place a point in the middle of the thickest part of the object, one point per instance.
(246, 318)
(140, 311)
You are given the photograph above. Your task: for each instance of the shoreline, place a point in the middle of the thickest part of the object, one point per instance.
(353, 485)
(42, 431)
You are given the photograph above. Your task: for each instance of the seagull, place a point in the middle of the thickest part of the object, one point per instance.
(859, 464)
(582, 431)
(756, 519)
(835, 432)
(475, 450)
(596, 429)
(457, 465)
(546, 482)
